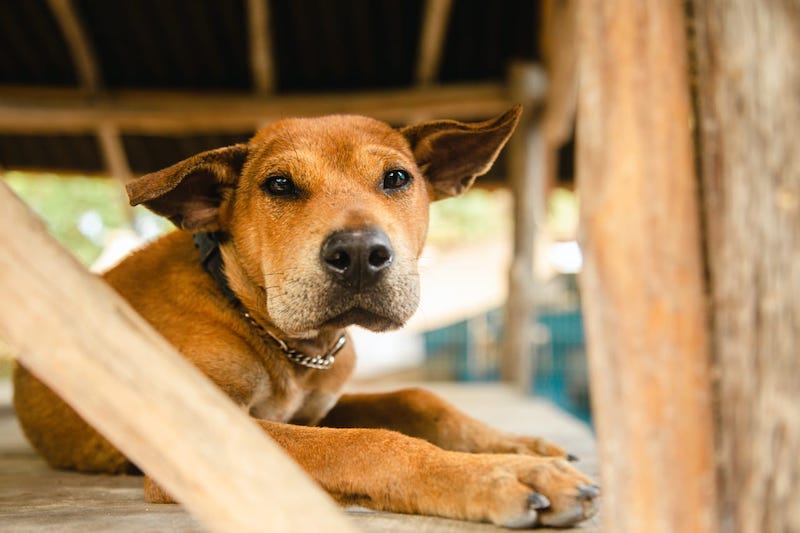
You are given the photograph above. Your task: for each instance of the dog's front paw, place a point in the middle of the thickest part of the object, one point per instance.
(522, 492)
(573, 496)
(519, 444)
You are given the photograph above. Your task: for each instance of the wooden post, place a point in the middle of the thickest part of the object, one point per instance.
(526, 154)
(262, 62)
(86, 343)
(431, 41)
(748, 94)
(559, 47)
(642, 283)
(558, 43)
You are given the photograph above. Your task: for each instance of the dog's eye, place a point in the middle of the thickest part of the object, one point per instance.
(280, 186)
(395, 179)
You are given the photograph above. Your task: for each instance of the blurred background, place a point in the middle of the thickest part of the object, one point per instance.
(94, 93)
(688, 109)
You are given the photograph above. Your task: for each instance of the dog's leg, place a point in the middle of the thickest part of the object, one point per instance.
(420, 413)
(385, 470)
(389, 471)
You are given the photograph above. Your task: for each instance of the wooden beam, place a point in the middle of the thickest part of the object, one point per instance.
(748, 83)
(432, 38)
(643, 280)
(559, 45)
(85, 342)
(80, 47)
(114, 152)
(262, 64)
(175, 113)
(526, 151)
(116, 162)
(86, 65)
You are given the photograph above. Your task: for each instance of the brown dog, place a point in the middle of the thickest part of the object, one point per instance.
(312, 226)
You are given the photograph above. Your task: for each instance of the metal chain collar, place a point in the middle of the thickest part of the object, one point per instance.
(319, 362)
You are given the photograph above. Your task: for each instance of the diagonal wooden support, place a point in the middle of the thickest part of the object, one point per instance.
(262, 63)
(90, 77)
(80, 47)
(432, 39)
(85, 342)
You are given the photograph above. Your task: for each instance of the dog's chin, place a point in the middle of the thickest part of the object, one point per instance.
(313, 306)
(358, 316)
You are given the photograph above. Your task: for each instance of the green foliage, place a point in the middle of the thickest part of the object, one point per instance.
(477, 215)
(62, 201)
(562, 214)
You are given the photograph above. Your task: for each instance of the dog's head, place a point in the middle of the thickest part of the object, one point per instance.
(326, 217)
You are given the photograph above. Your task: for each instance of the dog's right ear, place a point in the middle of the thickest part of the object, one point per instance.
(452, 154)
(190, 193)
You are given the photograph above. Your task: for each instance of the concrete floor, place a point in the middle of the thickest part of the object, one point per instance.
(36, 498)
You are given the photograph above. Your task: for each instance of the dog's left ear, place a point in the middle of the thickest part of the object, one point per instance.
(190, 193)
(452, 154)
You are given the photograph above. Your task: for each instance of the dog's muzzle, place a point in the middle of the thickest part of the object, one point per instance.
(357, 259)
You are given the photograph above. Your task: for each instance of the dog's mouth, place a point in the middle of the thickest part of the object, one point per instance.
(358, 316)
(306, 305)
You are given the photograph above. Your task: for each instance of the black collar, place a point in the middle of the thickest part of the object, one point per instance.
(211, 259)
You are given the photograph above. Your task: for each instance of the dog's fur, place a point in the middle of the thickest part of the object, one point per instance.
(412, 452)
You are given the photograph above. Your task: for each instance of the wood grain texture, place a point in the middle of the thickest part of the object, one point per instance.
(748, 94)
(67, 111)
(86, 343)
(643, 275)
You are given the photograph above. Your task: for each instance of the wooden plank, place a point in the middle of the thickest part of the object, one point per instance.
(86, 66)
(748, 82)
(559, 46)
(432, 38)
(174, 113)
(114, 153)
(262, 65)
(526, 151)
(642, 283)
(117, 166)
(76, 334)
(80, 47)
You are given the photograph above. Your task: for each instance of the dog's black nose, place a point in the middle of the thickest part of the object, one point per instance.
(357, 258)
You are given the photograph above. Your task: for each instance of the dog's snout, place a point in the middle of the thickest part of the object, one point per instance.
(357, 258)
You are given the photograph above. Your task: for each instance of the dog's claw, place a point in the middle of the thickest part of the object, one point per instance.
(537, 501)
(572, 458)
(588, 492)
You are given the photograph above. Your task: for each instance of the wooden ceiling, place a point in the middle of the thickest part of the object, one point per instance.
(129, 86)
